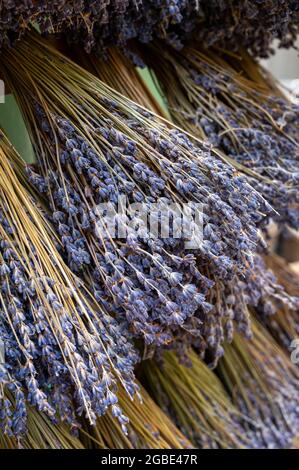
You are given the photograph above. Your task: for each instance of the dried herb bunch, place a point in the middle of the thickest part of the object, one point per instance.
(62, 352)
(196, 401)
(148, 428)
(254, 24)
(94, 145)
(262, 291)
(210, 420)
(227, 100)
(263, 383)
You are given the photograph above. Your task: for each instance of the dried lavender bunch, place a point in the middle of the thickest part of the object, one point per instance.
(93, 145)
(264, 385)
(97, 25)
(214, 96)
(148, 428)
(196, 401)
(60, 351)
(41, 433)
(259, 288)
(253, 24)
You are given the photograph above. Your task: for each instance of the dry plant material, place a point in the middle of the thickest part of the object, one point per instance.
(94, 145)
(263, 383)
(62, 352)
(196, 401)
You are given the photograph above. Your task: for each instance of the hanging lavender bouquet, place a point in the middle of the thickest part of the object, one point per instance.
(60, 351)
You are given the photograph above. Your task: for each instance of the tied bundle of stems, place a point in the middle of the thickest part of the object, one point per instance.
(263, 382)
(164, 382)
(61, 352)
(94, 145)
(149, 428)
(210, 419)
(229, 100)
(196, 401)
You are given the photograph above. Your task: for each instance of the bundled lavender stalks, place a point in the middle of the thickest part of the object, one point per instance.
(97, 25)
(95, 145)
(216, 97)
(264, 385)
(196, 401)
(148, 428)
(41, 433)
(94, 24)
(60, 350)
(259, 288)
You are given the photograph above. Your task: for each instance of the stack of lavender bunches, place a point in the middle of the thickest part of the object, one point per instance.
(253, 24)
(86, 289)
(93, 146)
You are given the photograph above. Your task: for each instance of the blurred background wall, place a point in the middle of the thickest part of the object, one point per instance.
(284, 65)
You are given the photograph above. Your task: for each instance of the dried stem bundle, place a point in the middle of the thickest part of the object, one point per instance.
(229, 100)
